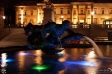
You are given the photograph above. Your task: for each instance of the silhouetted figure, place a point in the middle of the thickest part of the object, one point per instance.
(47, 37)
(54, 32)
(34, 35)
(58, 31)
(28, 29)
(48, 42)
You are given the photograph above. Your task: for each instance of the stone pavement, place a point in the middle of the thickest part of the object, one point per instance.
(15, 38)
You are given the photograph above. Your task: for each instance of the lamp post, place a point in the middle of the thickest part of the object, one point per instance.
(4, 20)
(62, 18)
(92, 13)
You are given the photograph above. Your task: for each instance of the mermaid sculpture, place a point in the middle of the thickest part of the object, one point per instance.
(47, 37)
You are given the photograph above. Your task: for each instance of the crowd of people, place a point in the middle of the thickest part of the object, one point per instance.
(47, 37)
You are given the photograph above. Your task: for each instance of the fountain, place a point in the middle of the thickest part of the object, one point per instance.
(95, 47)
(97, 50)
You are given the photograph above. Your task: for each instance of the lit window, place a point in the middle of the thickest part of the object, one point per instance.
(111, 12)
(94, 11)
(55, 10)
(88, 11)
(19, 18)
(19, 14)
(74, 11)
(81, 11)
(68, 11)
(25, 13)
(31, 12)
(102, 11)
(61, 10)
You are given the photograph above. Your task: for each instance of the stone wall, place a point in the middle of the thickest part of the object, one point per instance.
(92, 32)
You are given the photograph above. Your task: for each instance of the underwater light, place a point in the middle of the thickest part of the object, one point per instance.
(4, 58)
(41, 67)
(9, 60)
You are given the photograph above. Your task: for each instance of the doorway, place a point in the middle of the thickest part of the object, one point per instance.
(81, 21)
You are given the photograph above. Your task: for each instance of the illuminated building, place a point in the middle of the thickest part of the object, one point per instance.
(75, 12)
(2, 17)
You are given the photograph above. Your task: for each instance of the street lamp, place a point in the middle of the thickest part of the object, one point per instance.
(4, 20)
(92, 13)
(62, 18)
(4, 17)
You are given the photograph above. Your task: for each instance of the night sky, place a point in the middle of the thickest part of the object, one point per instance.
(10, 3)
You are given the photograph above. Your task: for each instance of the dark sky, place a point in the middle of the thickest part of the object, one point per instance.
(14, 2)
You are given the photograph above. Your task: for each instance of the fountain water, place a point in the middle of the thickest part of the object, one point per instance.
(59, 47)
(94, 46)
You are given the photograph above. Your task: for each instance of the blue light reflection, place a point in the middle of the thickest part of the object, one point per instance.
(82, 63)
(8, 60)
(24, 53)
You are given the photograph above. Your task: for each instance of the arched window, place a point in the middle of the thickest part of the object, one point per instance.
(88, 11)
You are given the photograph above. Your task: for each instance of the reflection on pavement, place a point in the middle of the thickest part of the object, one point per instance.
(68, 61)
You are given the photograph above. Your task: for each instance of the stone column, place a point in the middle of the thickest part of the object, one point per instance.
(38, 15)
(91, 14)
(85, 14)
(71, 14)
(78, 14)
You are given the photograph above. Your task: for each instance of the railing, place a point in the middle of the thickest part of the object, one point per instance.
(101, 39)
(91, 26)
(97, 39)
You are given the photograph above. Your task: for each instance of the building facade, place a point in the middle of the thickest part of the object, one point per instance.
(2, 17)
(76, 12)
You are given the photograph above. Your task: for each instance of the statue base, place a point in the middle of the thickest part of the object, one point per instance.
(48, 15)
